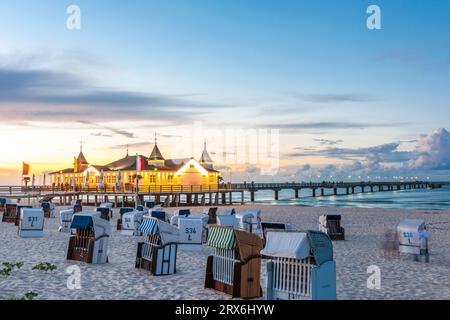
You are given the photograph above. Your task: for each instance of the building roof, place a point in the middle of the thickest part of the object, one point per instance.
(82, 158)
(156, 154)
(205, 158)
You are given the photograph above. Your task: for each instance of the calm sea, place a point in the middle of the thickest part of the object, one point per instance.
(420, 199)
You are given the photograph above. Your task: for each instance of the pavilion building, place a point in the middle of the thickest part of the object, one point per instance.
(156, 172)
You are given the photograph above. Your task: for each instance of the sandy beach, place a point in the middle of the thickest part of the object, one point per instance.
(401, 276)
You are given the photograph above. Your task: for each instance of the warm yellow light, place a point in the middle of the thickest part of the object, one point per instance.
(188, 165)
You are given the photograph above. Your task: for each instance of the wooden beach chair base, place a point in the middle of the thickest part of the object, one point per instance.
(165, 255)
(80, 254)
(245, 285)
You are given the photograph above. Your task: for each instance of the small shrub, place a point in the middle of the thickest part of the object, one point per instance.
(44, 266)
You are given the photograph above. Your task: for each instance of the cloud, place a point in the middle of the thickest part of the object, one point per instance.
(330, 125)
(48, 94)
(114, 130)
(326, 142)
(433, 151)
(101, 134)
(430, 156)
(131, 145)
(326, 98)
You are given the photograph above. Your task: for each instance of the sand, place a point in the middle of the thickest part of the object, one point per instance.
(401, 276)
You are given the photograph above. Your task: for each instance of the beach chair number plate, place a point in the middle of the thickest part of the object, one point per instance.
(191, 232)
(31, 223)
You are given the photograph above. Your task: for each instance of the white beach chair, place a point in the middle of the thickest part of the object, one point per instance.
(300, 266)
(130, 223)
(193, 232)
(90, 238)
(65, 220)
(31, 223)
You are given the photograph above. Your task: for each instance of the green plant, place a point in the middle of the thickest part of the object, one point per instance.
(44, 266)
(8, 267)
(29, 295)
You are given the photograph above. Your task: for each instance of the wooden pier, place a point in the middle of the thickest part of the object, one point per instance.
(224, 194)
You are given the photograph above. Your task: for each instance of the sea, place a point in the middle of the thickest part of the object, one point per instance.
(420, 199)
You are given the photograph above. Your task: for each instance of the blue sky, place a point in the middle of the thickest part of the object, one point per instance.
(297, 64)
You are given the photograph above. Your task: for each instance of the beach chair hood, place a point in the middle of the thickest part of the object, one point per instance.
(248, 244)
(85, 220)
(293, 245)
(167, 232)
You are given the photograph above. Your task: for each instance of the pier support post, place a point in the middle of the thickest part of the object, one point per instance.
(313, 192)
(115, 201)
(224, 200)
(335, 191)
(96, 200)
(322, 192)
(252, 196)
(242, 197)
(371, 188)
(231, 197)
(347, 190)
(353, 190)
(196, 199)
(296, 193)
(363, 189)
(398, 187)
(276, 194)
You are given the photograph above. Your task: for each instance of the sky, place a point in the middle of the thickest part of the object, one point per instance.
(320, 95)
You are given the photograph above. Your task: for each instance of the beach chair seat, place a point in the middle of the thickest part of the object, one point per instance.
(105, 212)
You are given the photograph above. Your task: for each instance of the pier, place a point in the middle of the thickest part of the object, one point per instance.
(224, 194)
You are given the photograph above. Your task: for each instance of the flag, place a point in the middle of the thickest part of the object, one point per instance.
(25, 168)
(87, 179)
(139, 163)
(119, 178)
(101, 178)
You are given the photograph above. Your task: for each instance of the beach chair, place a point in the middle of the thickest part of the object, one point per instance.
(161, 215)
(19, 209)
(229, 212)
(90, 238)
(413, 238)
(212, 214)
(105, 212)
(49, 209)
(228, 221)
(31, 224)
(143, 209)
(245, 221)
(149, 204)
(122, 211)
(108, 205)
(235, 266)
(158, 252)
(256, 217)
(177, 214)
(10, 213)
(331, 225)
(2, 204)
(193, 232)
(300, 266)
(130, 223)
(267, 226)
(65, 220)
